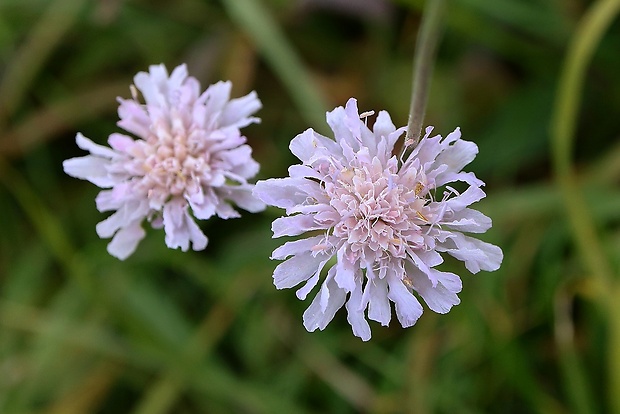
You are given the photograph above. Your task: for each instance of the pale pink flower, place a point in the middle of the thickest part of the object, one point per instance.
(189, 159)
(384, 220)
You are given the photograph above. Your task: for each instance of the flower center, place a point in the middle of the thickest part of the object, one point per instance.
(172, 162)
(382, 212)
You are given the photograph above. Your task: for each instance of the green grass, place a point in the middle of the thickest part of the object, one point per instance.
(206, 332)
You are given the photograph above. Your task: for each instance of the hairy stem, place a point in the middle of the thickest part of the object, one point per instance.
(423, 59)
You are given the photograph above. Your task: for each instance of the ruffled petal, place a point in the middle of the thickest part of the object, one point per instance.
(384, 127)
(121, 142)
(345, 271)
(156, 86)
(408, 309)
(386, 135)
(127, 214)
(458, 154)
(95, 149)
(225, 211)
(325, 305)
(466, 198)
(310, 145)
(126, 240)
(243, 197)
(355, 313)
(238, 111)
(336, 121)
(91, 168)
(237, 156)
(295, 247)
(295, 270)
(133, 118)
(442, 296)
(468, 220)
(303, 291)
(476, 254)
(180, 227)
(424, 261)
(283, 192)
(378, 303)
(217, 96)
(304, 171)
(426, 151)
(294, 225)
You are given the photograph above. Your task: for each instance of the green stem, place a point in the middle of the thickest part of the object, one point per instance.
(424, 57)
(563, 125)
(571, 366)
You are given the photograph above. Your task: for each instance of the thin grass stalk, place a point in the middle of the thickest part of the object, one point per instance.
(253, 18)
(563, 125)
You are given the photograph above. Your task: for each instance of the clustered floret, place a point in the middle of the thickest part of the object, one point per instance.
(189, 158)
(383, 219)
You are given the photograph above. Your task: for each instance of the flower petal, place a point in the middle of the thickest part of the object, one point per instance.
(338, 122)
(295, 247)
(121, 142)
(283, 192)
(319, 316)
(126, 240)
(303, 291)
(180, 228)
(457, 155)
(133, 118)
(295, 270)
(91, 168)
(95, 149)
(309, 145)
(476, 254)
(128, 213)
(238, 111)
(242, 196)
(294, 225)
(378, 303)
(345, 271)
(466, 198)
(468, 220)
(408, 309)
(304, 171)
(217, 95)
(355, 313)
(443, 295)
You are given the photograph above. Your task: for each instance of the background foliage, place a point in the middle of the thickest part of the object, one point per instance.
(166, 331)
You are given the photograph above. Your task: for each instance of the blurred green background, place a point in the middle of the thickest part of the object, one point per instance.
(206, 332)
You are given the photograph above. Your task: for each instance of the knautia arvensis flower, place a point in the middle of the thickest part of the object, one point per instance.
(384, 220)
(189, 159)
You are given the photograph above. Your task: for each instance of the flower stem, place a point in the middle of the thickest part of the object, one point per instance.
(423, 59)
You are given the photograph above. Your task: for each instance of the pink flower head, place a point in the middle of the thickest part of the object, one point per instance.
(384, 220)
(189, 156)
